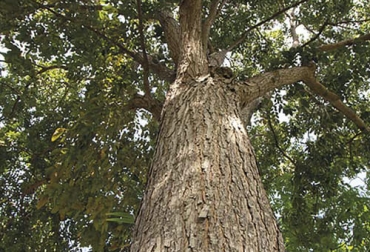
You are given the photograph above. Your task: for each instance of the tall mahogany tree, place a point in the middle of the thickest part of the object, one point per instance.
(119, 110)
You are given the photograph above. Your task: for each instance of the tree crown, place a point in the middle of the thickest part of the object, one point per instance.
(83, 84)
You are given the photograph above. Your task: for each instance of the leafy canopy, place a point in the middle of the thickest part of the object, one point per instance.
(76, 135)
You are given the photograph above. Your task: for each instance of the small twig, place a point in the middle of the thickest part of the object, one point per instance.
(123, 49)
(308, 29)
(81, 7)
(244, 36)
(44, 69)
(354, 137)
(19, 96)
(277, 142)
(11, 88)
(321, 30)
(145, 56)
(161, 70)
(16, 101)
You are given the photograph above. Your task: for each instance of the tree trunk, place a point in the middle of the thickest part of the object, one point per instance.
(204, 191)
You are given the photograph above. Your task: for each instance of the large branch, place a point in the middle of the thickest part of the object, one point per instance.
(248, 111)
(330, 47)
(151, 105)
(258, 86)
(293, 28)
(214, 9)
(334, 99)
(193, 61)
(171, 29)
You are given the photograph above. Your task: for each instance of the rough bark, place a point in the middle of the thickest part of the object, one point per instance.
(204, 192)
(258, 86)
(193, 60)
(172, 34)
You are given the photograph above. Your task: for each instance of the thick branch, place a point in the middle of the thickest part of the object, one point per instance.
(330, 47)
(293, 28)
(193, 61)
(259, 85)
(349, 21)
(248, 111)
(334, 99)
(171, 30)
(214, 8)
(151, 105)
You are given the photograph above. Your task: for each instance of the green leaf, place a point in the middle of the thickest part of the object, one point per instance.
(57, 133)
(123, 217)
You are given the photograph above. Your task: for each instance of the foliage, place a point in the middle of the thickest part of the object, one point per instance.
(74, 153)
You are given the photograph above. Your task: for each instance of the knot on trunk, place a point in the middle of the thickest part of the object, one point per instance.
(224, 72)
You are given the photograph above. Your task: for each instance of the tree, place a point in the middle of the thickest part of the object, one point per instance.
(94, 92)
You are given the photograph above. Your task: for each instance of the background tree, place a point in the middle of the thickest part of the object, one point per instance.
(83, 85)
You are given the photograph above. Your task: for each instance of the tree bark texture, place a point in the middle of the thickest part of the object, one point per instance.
(193, 59)
(204, 191)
